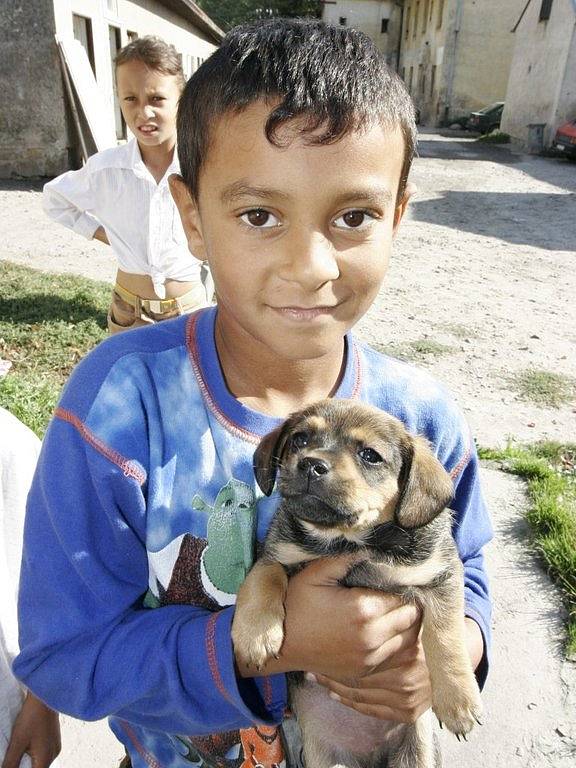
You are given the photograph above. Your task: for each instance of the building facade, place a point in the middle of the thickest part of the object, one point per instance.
(38, 136)
(455, 55)
(541, 91)
(380, 20)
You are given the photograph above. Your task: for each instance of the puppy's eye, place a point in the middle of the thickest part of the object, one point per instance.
(299, 440)
(370, 456)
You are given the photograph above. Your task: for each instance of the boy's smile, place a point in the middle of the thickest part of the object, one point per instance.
(298, 236)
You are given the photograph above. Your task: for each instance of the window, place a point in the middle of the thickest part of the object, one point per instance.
(410, 79)
(545, 10)
(132, 36)
(432, 80)
(425, 16)
(384, 26)
(342, 21)
(82, 28)
(112, 7)
(431, 10)
(407, 31)
(416, 17)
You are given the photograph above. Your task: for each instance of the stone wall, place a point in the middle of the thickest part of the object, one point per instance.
(33, 123)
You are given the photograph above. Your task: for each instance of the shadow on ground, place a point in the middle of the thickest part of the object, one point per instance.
(556, 170)
(23, 185)
(41, 307)
(513, 217)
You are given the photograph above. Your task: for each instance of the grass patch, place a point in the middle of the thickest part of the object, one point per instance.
(550, 471)
(544, 387)
(496, 137)
(48, 322)
(419, 350)
(460, 331)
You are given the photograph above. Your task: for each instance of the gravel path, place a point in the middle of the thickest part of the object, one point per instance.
(481, 288)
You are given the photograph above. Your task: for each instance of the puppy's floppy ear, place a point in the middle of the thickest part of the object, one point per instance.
(268, 455)
(425, 486)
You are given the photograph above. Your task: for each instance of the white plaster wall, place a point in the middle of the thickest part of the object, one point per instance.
(365, 15)
(542, 83)
(471, 50)
(424, 47)
(484, 52)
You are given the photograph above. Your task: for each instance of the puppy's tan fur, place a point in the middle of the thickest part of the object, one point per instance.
(352, 478)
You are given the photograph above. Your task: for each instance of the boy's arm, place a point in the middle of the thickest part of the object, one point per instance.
(68, 199)
(88, 646)
(472, 530)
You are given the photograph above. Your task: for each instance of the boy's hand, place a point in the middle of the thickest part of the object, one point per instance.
(341, 633)
(36, 732)
(398, 690)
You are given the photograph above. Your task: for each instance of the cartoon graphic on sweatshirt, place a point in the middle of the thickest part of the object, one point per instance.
(207, 572)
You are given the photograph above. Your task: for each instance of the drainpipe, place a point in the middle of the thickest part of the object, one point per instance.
(399, 51)
(451, 57)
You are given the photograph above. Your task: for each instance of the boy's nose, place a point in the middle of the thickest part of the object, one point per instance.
(310, 260)
(148, 111)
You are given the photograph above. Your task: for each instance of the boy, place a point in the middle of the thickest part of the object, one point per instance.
(295, 143)
(121, 196)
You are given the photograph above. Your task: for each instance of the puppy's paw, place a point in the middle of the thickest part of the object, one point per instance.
(257, 637)
(457, 704)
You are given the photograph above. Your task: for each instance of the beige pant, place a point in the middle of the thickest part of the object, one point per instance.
(122, 316)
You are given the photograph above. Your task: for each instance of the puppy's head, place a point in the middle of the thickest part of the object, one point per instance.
(347, 466)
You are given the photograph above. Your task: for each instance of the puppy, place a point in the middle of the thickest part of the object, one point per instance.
(353, 480)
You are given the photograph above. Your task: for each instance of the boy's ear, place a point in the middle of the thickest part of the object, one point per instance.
(409, 191)
(189, 216)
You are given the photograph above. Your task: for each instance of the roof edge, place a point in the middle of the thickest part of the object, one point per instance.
(195, 14)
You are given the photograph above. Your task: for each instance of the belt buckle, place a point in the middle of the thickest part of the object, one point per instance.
(153, 305)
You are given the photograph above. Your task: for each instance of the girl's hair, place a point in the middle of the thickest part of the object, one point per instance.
(333, 77)
(156, 54)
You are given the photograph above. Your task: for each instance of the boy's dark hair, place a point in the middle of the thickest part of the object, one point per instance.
(333, 77)
(155, 53)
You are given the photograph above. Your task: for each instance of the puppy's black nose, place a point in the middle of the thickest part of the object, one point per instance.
(313, 466)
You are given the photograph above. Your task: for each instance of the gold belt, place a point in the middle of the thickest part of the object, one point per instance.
(191, 298)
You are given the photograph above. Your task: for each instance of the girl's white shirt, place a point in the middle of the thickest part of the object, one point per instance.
(115, 190)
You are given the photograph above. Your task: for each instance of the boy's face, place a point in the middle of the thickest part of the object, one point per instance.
(149, 102)
(298, 237)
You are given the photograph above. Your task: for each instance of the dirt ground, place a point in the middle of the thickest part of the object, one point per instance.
(481, 289)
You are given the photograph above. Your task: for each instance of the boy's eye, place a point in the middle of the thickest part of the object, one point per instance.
(353, 219)
(259, 218)
(158, 98)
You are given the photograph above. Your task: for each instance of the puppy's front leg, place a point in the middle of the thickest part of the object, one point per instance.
(258, 626)
(456, 698)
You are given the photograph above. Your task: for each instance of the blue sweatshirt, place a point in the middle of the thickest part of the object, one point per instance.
(142, 523)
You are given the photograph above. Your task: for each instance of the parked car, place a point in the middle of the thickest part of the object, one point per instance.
(565, 139)
(487, 119)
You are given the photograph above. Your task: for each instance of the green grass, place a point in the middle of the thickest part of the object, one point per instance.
(550, 471)
(544, 387)
(419, 350)
(48, 322)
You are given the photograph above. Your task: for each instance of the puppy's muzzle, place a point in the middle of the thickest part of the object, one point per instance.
(313, 467)
(313, 494)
